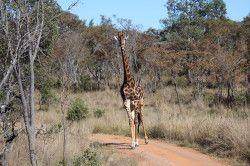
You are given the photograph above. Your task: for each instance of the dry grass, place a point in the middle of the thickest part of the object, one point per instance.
(50, 139)
(215, 130)
(220, 131)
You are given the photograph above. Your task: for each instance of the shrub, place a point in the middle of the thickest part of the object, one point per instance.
(87, 84)
(157, 131)
(98, 113)
(62, 163)
(209, 98)
(241, 97)
(90, 157)
(56, 128)
(181, 82)
(47, 95)
(1, 96)
(248, 97)
(77, 111)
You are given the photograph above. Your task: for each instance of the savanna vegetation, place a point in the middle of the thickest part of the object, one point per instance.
(60, 79)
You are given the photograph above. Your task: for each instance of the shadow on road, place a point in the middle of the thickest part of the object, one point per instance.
(117, 145)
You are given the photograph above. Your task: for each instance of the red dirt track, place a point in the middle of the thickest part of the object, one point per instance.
(157, 153)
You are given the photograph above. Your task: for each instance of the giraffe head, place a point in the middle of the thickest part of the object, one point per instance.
(121, 38)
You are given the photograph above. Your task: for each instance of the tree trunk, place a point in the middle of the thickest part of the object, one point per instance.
(32, 145)
(63, 100)
(31, 131)
(230, 94)
(28, 111)
(177, 93)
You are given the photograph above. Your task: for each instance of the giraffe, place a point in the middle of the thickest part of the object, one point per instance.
(132, 96)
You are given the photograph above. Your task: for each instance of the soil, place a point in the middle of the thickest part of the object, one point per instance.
(156, 153)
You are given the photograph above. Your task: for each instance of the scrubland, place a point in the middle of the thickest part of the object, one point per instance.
(216, 130)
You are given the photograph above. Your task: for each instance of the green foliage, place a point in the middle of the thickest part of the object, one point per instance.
(105, 21)
(1, 95)
(87, 84)
(157, 131)
(181, 82)
(47, 95)
(189, 10)
(77, 111)
(52, 9)
(186, 19)
(248, 97)
(90, 157)
(241, 97)
(209, 98)
(1, 131)
(98, 113)
(62, 163)
(56, 128)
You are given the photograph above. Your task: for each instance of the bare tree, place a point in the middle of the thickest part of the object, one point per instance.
(68, 55)
(22, 28)
(8, 118)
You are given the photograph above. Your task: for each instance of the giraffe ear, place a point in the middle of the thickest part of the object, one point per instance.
(116, 38)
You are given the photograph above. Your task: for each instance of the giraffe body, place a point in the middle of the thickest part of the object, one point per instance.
(131, 91)
(132, 95)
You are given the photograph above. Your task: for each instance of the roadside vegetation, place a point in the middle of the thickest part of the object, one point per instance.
(219, 131)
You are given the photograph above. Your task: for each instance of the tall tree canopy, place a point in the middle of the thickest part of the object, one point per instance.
(186, 18)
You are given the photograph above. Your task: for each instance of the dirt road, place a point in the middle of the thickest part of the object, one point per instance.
(157, 153)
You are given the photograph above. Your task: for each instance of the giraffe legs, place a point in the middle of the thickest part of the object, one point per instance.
(131, 117)
(133, 136)
(136, 127)
(142, 121)
(135, 117)
(144, 130)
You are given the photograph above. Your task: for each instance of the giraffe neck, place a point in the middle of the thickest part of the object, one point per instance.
(127, 72)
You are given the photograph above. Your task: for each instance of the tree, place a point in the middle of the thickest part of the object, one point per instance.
(68, 56)
(9, 115)
(22, 29)
(246, 26)
(186, 19)
(226, 46)
(26, 30)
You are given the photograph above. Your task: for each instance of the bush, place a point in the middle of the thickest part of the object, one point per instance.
(241, 97)
(181, 82)
(47, 95)
(56, 128)
(1, 96)
(157, 131)
(90, 157)
(98, 113)
(77, 111)
(209, 98)
(87, 84)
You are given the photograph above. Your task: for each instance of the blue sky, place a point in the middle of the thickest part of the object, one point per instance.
(145, 13)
